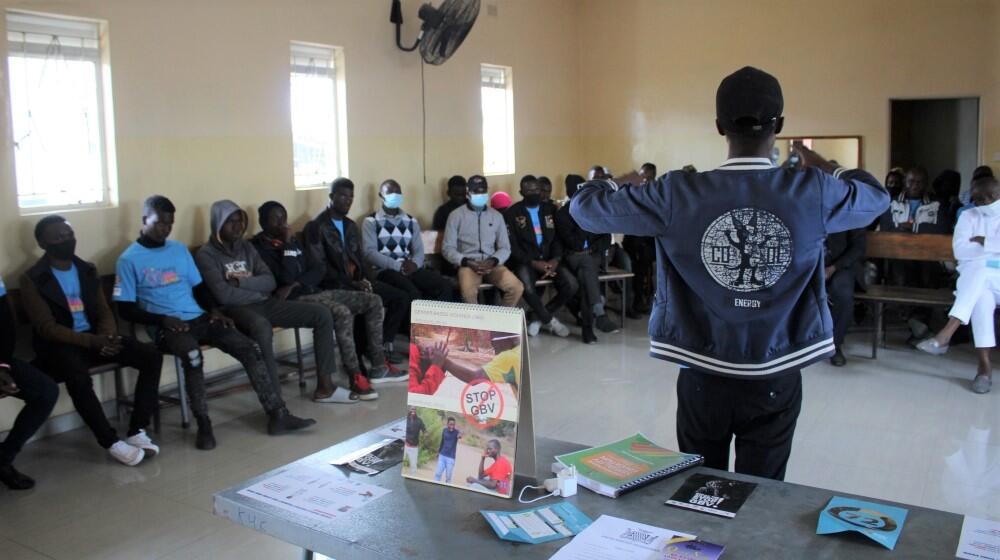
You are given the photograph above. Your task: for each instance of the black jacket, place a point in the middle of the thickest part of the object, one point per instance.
(339, 257)
(8, 331)
(524, 247)
(845, 249)
(289, 264)
(442, 213)
(572, 236)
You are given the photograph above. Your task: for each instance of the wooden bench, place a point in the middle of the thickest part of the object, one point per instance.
(907, 247)
(432, 251)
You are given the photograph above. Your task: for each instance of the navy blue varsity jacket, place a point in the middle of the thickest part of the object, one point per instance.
(740, 286)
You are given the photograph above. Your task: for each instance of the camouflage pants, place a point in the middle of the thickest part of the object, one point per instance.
(344, 305)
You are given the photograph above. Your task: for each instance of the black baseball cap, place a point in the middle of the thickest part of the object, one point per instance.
(748, 101)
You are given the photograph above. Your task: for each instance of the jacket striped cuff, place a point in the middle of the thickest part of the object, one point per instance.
(794, 360)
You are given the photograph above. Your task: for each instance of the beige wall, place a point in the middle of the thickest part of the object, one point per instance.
(201, 110)
(991, 106)
(650, 75)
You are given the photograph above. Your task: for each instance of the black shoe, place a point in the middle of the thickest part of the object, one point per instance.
(205, 439)
(633, 314)
(15, 480)
(282, 422)
(604, 324)
(588, 335)
(838, 359)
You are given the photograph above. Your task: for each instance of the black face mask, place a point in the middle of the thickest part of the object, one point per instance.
(62, 251)
(532, 200)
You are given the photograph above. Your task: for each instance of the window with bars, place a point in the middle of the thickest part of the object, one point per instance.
(319, 133)
(498, 119)
(60, 99)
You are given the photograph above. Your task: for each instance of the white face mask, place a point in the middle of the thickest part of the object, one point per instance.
(990, 210)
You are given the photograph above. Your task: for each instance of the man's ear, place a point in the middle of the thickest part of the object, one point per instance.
(778, 125)
(718, 126)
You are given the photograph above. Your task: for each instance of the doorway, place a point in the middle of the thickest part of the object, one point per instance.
(937, 134)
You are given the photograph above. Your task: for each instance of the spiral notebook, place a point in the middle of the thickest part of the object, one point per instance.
(468, 419)
(615, 468)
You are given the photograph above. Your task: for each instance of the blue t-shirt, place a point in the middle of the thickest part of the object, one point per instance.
(160, 279)
(340, 227)
(449, 442)
(69, 281)
(3, 289)
(535, 222)
(914, 204)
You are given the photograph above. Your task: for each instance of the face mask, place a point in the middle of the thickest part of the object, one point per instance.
(393, 200)
(990, 210)
(479, 200)
(62, 251)
(532, 200)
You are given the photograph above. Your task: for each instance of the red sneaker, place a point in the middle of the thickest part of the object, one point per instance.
(363, 388)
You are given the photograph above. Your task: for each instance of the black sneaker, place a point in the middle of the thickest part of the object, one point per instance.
(588, 335)
(282, 422)
(387, 374)
(604, 324)
(205, 439)
(838, 359)
(14, 479)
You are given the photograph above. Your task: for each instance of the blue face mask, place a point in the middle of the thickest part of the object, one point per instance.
(393, 200)
(479, 200)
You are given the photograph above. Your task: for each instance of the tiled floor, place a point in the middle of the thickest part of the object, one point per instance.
(903, 428)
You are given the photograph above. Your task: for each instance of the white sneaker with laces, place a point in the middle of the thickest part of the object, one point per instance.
(557, 328)
(142, 441)
(126, 454)
(534, 327)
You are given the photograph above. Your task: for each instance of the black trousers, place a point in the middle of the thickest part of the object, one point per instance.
(642, 252)
(760, 413)
(397, 308)
(425, 283)
(840, 290)
(70, 364)
(566, 288)
(39, 394)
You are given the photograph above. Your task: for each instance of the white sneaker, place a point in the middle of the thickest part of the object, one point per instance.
(534, 327)
(142, 441)
(126, 454)
(557, 328)
(932, 346)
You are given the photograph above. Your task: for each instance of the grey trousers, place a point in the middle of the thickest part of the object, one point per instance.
(257, 321)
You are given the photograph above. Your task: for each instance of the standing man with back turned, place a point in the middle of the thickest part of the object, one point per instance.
(741, 301)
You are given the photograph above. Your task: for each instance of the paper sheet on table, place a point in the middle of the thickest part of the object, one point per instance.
(612, 538)
(316, 494)
(396, 430)
(980, 540)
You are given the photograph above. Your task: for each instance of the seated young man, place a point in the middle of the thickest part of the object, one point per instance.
(583, 254)
(395, 252)
(242, 283)
(845, 252)
(75, 330)
(22, 381)
(546, 186)
(298, 279)
(476, 242)
(157, 286)
(457, 188)
(976, 244)
(498, 476)
(334, 242)
(536, 254)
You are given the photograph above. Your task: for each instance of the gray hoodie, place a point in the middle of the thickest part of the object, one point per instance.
(218, 264)
(475, 235)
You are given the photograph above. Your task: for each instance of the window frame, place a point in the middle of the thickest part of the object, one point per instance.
(335, 55)
(40, 23)
(508, 87)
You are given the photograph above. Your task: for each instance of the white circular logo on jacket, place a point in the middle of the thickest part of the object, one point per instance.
(746, 250)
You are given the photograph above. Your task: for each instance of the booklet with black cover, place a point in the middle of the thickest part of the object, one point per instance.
(374, 458)
(712, 494)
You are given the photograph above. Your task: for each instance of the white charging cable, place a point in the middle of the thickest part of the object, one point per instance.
(564, 484)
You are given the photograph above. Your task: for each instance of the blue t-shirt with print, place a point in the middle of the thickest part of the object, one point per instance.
(339, 224)
(69, 281)
(536, 223)
(160, 279)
